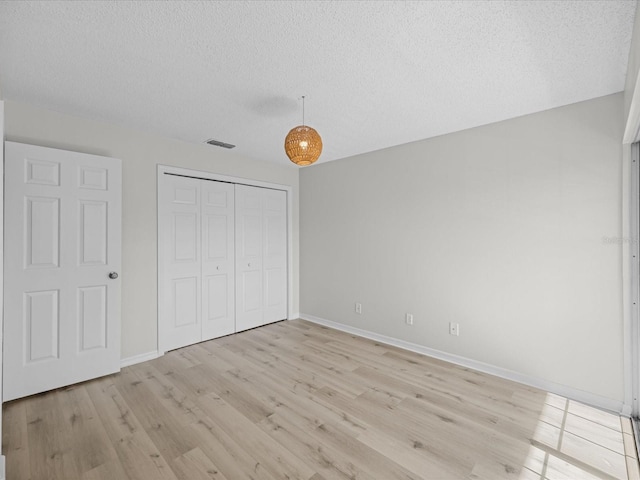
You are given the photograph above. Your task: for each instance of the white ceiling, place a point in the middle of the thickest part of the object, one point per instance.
(375, 73)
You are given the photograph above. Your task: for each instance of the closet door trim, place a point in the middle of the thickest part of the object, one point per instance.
(185, 172)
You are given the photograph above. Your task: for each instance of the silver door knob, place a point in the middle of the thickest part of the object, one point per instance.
(113, 275)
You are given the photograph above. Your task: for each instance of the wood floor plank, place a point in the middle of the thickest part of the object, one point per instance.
(117, 418)
(238, 392)
(276, 459)
(299, 404)
(595, 432)
(137, 454)
(298, 366)
(327, 461)
(15, 443)
(195, 465)
(594, 455)
(205, 353)
(168, 393)
(413, 448)
(633, 469)
(141, 459)
(224, 351)
(629, 446)
(229, 454)
(294, 400)
(332, 372)
(166, 432)
(625, 426)
(593, 414)
(51, 443)
(86, 429)
(368, 459)
(111, 470)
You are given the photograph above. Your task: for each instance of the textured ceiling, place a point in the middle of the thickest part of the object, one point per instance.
(375, 73)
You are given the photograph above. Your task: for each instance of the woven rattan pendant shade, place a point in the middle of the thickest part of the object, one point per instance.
(303, 145)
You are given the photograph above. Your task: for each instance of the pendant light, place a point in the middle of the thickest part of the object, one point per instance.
(303, 144)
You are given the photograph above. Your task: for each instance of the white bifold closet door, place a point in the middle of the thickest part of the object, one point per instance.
(223, 259)
(218, 297)
(197, 248)
(261, 256)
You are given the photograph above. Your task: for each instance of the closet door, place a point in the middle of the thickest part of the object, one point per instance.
(222, 259)
(274, 247)
(249, 253)
(180, 274)
(261, 246)
(218, 265)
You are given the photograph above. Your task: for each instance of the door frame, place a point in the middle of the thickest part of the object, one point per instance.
(631, 277)
(2, 459)
(187, 172)
(633, 253)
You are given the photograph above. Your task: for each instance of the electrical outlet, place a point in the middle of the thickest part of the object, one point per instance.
(359, 308)
(408, 318)
(454, 329)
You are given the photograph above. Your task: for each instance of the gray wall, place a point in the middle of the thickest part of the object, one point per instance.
(140, 153)
(510, 229)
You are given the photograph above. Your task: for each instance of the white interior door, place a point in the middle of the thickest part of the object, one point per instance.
(218, 268)
(261, 256)
(62, 246)
(179, 246)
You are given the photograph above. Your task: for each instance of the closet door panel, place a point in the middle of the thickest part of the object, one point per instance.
(249, 252)
(274, 255)
(218, 259)
(261, 256)
(180, 245)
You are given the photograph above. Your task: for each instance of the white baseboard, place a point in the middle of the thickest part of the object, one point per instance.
(294, 316)
(581, 396)
(3, 473)
(142, 357)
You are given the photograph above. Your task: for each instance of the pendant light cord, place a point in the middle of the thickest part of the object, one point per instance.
(303, 110)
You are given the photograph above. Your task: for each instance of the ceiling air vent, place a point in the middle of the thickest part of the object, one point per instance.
(218, 143)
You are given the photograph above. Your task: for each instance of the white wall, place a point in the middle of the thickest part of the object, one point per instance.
(629, 262)
(140, 153)
(509, 229)
(633, 66)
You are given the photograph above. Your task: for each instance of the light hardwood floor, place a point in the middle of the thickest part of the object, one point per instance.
(294, 400)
